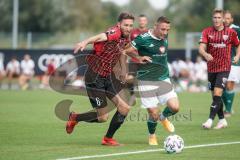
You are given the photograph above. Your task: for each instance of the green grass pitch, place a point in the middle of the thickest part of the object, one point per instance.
(29, 130)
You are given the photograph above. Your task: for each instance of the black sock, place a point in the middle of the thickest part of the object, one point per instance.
(220, 112)
(88, 117)
(116, 122)
(216, 105)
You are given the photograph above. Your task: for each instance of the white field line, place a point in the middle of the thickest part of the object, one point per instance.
(146, 151)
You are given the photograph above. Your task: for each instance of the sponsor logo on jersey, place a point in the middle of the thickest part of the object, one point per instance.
(218, 45)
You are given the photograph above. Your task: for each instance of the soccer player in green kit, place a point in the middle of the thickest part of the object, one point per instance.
(234, 76)
(153, 76)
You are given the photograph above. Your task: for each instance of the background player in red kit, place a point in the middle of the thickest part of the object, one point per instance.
(133, 62)
(215, 46)
(100, 81)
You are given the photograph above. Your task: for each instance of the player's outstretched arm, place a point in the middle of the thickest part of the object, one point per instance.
(202, 51)
(123, 70)
(82, 45)
(130, 51)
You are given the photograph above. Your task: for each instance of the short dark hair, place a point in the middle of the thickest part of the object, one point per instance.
(217, 10)
(125, 15)
(163, 19)
(142, 15)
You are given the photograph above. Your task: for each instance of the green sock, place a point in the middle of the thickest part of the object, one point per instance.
(152, 125)
(224, 97)
(227, 98)
(167, 112)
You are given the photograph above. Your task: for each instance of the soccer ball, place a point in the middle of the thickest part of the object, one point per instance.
(173, 144)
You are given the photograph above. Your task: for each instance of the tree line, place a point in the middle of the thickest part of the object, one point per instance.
(94, 15)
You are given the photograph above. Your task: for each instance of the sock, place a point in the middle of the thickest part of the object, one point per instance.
(220, 112)
(115, 124)
(151, 125)
(167, 112)
(228, 97)
(87, 117)
(224, 98)
(216, 105)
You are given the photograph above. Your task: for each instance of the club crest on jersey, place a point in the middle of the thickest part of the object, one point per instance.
(162, 49)
(225, 37)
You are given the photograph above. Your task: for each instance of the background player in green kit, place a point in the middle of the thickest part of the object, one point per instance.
(234, 76)
(153, 76)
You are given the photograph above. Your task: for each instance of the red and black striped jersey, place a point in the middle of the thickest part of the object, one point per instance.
(134, 33)
(107, 53)
(219, 45)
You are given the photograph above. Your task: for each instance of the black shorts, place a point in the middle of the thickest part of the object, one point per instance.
(218, 79)
(100, 88)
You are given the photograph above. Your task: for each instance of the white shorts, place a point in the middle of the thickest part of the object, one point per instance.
(156, 97)
(234, 74)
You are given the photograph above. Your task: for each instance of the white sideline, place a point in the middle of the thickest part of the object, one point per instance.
(146, 151)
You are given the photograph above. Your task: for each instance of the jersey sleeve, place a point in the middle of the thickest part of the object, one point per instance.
(238, 32)
(203, 38)
(113, 34)
(137, 43)
(235, 39)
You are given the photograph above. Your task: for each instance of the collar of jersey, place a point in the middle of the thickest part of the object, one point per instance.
(150, 33)
(233, 26)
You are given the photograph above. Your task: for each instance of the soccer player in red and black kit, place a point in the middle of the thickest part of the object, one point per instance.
(100, 80)
(215, 46)
(134, 62)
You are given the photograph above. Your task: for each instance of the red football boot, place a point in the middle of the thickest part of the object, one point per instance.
(71, 123)
(109, 142)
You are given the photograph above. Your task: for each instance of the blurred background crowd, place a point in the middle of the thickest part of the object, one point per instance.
(29, 25)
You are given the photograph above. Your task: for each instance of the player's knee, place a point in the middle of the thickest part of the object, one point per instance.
(123, 111)
(229, 88)
(102, 118)
(154, 116)
(175, 108)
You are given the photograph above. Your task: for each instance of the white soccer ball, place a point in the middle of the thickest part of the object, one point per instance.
(173, 144)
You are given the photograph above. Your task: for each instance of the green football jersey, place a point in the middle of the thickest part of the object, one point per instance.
(233, 54)
(149, 45)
